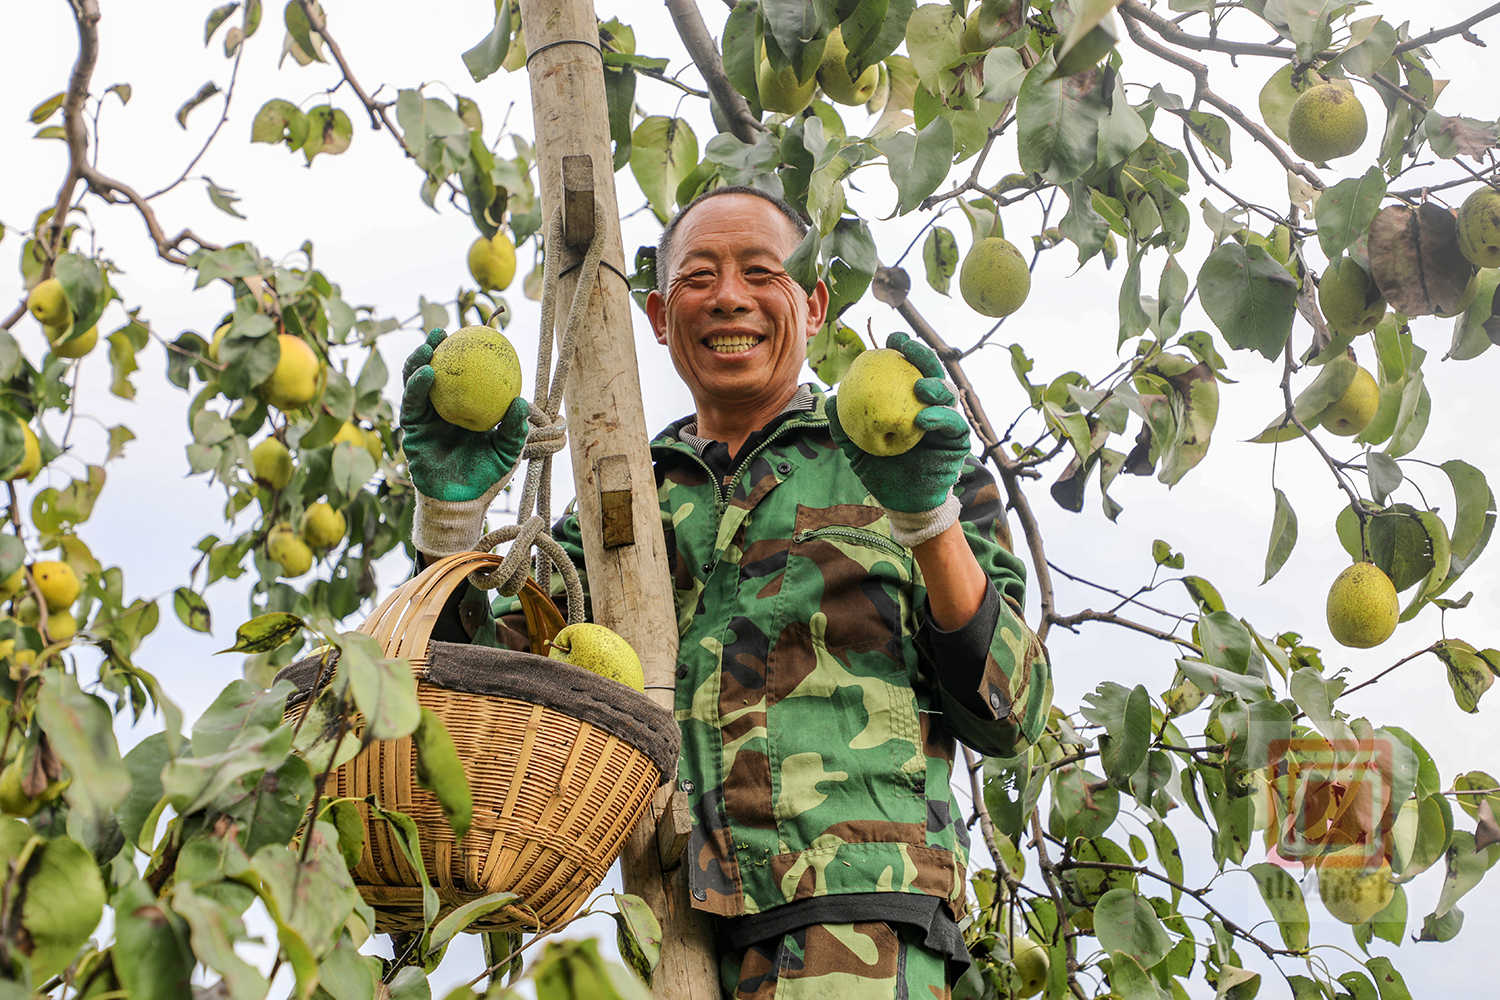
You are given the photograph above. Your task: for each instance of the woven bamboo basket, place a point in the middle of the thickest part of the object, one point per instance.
(561, 764)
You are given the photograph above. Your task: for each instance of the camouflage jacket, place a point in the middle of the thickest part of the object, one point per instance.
(817, 743)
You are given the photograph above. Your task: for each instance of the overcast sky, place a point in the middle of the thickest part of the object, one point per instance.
(375, 238)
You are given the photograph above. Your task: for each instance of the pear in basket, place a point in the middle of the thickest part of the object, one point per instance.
(594, 647)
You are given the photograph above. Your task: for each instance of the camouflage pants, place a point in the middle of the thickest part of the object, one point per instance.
(867, 961)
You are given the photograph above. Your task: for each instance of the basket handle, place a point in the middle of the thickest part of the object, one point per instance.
(403, 622)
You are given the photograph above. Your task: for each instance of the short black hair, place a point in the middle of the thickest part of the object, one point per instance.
(664, 245)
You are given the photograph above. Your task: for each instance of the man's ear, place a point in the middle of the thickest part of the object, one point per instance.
(656, 312)
(817, 309)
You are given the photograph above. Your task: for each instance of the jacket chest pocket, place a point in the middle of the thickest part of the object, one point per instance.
(850, 578)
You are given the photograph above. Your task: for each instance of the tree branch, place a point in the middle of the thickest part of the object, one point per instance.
(705, 55)
(1133, 9)
(1453, 29)
(223, 117)
(1090, 615)
(1199, 72)
(379, 116)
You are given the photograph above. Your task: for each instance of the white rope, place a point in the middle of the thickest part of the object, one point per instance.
(547, 437)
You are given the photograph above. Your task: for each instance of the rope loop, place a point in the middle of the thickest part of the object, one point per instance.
(547, 436)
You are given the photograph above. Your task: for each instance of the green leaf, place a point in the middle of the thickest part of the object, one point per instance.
(47, 108)
(441, 772)
(152, 955)
(279, 121)
(940, 257)
(328, 131)
(61, 903)
(81, 731)
(934, 41)
(1059, 123)
(918, 163)
(455, 922)
(1385, 475)
(403, 832)
(192, 610)
(1466, 867)
(637, 934)
(215, 927)
(738, 47)
(144, 764)
(86, 290)
(1346, 210)
(264, 633)
(1470, 673)
(299, 32)
(203, 93)
(1124, 921)
(312, 895)
(191, 783)
(1283, 897)
(1475, 517)
(384, 690)
(1283, 535)
(1129, 737)
(486, 57)
(1250, 297)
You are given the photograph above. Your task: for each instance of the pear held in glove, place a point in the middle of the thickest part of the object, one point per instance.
(878, 406)
(477, 377)
(600, 650)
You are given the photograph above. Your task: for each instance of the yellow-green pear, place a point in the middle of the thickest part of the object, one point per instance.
(834, 77)
(478, 376)
(322, 526)
(11, 585)
(877, 406)
(1353, 411)
(49, 304)
(1327, 122)
(76, 347)
(1031, 963)
(31, 456)
(297, 378)
(994, 279)
(271, 464)
(57, 582)
(1350, 300)
(217, 341)
(1479, 227)
(492, 262)
(61, 625)
(1362, 606)
(288, 550)
(349, 433)
(373, 444)
(601, 650)
(779, 89)
(1352, 886)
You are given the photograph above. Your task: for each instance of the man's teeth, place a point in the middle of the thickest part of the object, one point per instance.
(731, 345)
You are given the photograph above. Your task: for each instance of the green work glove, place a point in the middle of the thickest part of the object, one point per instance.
(915, 487)
(457, 472)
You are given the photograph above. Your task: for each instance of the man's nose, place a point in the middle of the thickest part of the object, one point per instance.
(731, 293)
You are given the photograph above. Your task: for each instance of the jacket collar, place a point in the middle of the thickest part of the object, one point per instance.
(670, 437)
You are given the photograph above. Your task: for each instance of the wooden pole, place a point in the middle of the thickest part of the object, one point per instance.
(627, 572)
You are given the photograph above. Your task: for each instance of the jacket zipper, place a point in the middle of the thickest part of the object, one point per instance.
(859, 536)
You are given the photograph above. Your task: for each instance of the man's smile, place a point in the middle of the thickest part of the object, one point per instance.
(731, 343)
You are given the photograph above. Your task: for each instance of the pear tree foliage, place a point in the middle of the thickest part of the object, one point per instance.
(1090, 130)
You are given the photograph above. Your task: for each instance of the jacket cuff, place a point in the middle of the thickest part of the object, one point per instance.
(992, 677)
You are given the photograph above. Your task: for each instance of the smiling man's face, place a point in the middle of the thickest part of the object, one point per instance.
(735, 323)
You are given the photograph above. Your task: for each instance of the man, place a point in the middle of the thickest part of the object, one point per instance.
(842, 616)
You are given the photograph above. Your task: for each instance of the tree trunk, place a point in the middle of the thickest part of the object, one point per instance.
(628, 581)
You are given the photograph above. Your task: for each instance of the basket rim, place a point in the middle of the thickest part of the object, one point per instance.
(574, 691)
